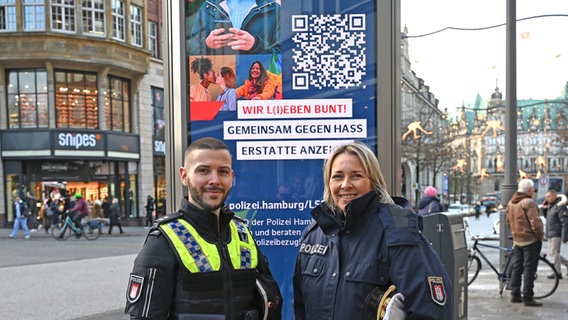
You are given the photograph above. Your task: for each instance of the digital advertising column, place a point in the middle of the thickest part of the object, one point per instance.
(282, 83)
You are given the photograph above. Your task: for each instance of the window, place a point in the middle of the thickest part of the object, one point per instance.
(63, 15)
(7, 15)
(27, 99)
(94, 17)
(158, 110)
(136, 25)
(117, 105)
(118, 20)
(153, 39)
(76, 100)
(34, 15)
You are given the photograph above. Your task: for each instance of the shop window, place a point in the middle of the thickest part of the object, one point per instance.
(27, 99)
(117, 105)
(153, 39)
(34, 15)
(8, 15)
(118, 20)
(158, 111)
(63, 15)
(76, 100)
(136, 25)
(94, 17)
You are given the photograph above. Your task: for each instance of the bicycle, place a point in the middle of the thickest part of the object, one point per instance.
(63, 229)
(543, 286)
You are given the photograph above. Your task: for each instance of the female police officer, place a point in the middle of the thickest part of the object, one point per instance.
(201, 262)
(361, 245)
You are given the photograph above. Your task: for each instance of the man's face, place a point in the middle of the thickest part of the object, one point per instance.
(550, 197)
(209, 177)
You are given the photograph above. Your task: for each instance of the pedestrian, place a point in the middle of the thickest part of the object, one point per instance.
(53, 211)
(202, 262)
(430, 203)
(31, 202)
(97, 214)
(362, 248)
(556, 214)
(106, 207)
(149, 211)
(20, 210)
(528, 232)
(477, 209)
(115, 216)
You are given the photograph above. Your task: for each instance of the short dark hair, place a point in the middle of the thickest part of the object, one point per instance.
(206, 143)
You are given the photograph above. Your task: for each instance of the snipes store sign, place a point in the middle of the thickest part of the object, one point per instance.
(78, 141)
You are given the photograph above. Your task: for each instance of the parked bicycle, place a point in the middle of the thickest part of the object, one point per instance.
(64, 229)
(543, 285)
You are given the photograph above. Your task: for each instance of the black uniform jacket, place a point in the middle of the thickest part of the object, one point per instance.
(160, 287)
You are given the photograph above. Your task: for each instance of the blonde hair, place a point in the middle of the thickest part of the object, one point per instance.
(371, 168)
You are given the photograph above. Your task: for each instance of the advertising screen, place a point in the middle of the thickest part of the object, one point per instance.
(282, 83)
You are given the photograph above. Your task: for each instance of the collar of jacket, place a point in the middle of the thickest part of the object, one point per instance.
(205, 222)
(518, 196)
(331, 222)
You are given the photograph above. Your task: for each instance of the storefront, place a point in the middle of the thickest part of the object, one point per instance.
(96, 164)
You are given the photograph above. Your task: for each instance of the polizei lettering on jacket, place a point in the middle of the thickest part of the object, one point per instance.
(313, 249)
(77, 140)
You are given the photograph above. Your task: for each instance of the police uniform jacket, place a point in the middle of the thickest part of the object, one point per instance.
(161, 287)
(341, 260)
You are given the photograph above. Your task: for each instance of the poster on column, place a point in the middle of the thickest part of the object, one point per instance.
(282, 83)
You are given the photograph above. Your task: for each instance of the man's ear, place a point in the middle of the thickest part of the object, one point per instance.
(183, 177)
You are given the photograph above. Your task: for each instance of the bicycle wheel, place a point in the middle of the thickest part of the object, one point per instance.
(543, 286)
(91, 230)
(60, 231)
(473, 267)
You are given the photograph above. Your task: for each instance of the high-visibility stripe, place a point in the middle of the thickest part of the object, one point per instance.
(198, 255)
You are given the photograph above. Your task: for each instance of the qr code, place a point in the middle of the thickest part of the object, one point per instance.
(329, 51)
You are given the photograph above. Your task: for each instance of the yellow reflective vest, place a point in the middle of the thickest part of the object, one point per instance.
(198, 255)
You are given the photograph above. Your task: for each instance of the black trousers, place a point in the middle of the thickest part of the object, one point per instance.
(114, 224)
(524, 266)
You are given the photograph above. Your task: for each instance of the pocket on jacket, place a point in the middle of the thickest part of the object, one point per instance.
(368, 272)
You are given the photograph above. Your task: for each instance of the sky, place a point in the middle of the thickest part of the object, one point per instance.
(457, 65)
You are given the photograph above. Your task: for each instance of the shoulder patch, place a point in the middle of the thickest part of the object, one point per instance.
(437, 290)
(135, 288)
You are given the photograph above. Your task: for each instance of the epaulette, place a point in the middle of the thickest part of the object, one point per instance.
(167, 218)
(401, 224)
(309, 228)
(239, 219)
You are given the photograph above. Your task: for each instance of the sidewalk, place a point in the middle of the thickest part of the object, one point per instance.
(485, 304)
(129, 231)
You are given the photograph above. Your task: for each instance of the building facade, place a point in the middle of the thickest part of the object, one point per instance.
(81, 102)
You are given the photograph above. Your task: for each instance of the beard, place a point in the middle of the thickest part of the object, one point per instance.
(211, 205)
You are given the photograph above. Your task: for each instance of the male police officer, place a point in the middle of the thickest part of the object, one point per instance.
(201, 262)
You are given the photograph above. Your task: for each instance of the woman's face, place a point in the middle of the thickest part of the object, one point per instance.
(219, 80)
(348, 180)
(255, 71)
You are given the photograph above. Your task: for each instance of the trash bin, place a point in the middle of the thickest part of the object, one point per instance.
(446, 232)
